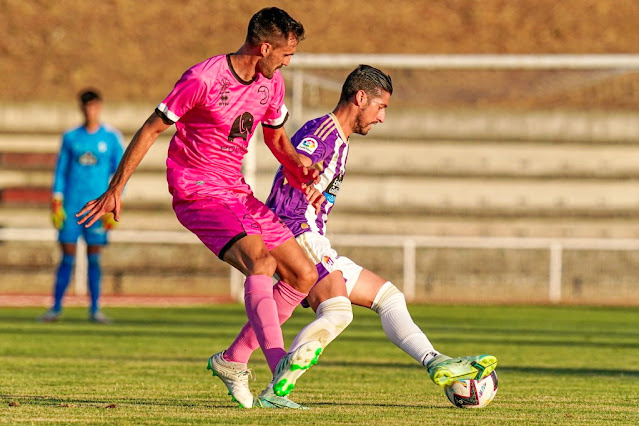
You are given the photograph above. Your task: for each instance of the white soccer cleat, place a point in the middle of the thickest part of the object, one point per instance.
(235, 376)
(293, 365)
(268, 399)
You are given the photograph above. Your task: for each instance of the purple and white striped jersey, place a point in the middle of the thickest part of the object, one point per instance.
(323, 141)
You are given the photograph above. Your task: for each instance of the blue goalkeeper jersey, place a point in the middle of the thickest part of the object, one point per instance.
(85, 165)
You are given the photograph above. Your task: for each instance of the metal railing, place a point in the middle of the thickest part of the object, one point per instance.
(409, 244)
(304, 62)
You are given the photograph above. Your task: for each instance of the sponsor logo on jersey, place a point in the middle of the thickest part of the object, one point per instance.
(308, 145)
(242, 127)
(333, 188)
(87, 159)
(102, 146)
(232, 148)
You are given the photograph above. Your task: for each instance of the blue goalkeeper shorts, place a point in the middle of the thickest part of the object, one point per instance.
(95, 235)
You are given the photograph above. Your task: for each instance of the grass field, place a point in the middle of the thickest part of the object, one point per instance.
(559, 365)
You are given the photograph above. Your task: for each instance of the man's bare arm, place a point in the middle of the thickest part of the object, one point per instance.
(299, 175)
(110, 201)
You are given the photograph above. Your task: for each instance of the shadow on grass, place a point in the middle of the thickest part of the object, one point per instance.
(105, 403)
(579, 341)
(109, 331)
(154, 318)
(412, 406)
(229, 329)
(46, 401)
(540, 371)
(485, 330)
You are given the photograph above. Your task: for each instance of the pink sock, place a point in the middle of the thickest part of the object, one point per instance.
(286, 298)
(262, 314)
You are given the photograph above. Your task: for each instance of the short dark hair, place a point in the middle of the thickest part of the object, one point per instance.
(89, 95)
(366, 78)
(273, 25)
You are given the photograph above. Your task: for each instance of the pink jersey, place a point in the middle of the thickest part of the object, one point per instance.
(216, 113)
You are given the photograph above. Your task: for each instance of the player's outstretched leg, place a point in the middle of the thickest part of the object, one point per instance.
(235, 376)
(268, 399)
(444, 370)
(293, 365)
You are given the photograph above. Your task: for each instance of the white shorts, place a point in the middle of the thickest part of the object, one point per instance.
(318, 249)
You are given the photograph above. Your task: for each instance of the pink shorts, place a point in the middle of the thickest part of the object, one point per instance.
(220, 217)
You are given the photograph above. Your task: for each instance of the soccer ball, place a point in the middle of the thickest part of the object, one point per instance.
(472, 393)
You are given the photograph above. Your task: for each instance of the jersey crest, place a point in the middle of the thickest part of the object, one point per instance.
(87, 159)
(264, 95)
(224, 91)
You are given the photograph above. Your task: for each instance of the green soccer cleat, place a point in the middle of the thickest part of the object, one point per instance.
(268, 399)
(293, 365)
(235, 376)
(444, 370)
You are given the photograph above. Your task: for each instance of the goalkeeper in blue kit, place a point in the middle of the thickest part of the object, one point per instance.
(89, 156)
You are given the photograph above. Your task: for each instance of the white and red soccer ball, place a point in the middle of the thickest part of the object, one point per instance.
(472, 393)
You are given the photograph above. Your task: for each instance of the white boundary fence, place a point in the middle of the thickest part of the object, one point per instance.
(467, 61)
(310, 61)
(409, 244)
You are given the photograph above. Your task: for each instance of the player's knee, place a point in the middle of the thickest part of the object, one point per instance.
(305, 276)
(338, 310)
(388, 297)
(310, 275)
(263, 265)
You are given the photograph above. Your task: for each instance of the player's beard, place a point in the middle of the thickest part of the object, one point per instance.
(360, 126)
(266, 69)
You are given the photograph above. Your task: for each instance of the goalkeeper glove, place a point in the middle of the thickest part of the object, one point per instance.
(57, 213)
(108, 221)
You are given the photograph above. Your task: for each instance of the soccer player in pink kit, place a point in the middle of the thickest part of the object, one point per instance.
(216, 106)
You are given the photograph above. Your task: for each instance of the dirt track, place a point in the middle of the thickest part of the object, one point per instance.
(35, 300)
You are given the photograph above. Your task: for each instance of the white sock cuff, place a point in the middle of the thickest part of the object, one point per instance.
(387, 291)
(335, 304)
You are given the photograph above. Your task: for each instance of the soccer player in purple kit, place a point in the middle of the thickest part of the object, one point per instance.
(323, 143)
(216, 106)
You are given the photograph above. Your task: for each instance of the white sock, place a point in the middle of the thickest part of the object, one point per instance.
(333, 316)
(399, 326)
